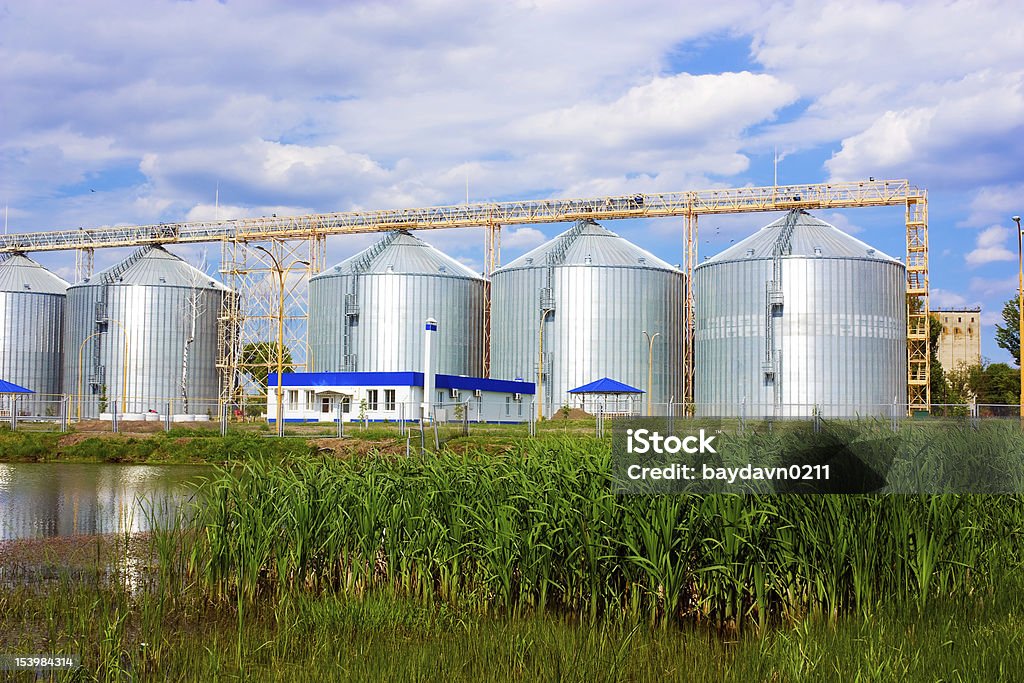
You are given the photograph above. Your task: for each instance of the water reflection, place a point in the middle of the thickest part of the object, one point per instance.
(40, 500)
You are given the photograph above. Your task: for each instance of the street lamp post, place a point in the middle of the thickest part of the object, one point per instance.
(280, 331)
(81, 349)
(650, 368)
(540, 365)
(124, 369)
(1020, 313)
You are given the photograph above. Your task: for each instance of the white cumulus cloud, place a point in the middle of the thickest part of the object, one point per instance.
(990, 246)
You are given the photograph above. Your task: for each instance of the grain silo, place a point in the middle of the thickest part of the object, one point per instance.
(32, 332)
(796, 318)
(366, 313)
(146, 332)
(595, 294)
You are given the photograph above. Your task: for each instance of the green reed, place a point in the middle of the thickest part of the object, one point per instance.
(540, 529)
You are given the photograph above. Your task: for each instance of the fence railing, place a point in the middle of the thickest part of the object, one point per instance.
(62, 411)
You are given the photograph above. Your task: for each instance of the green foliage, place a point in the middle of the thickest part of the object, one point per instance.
(180, 445)
(940, 390)
(175, 634)
(540, 529)
(1008, 334)
(259, 359)
(255, 405)
(987, 383)
(24, 446)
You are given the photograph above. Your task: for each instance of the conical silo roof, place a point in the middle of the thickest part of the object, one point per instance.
(154, 266)
(18, 273)
(402, 253)
(587, 243)
(810, 237)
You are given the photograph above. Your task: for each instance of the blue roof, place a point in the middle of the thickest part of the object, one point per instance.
(397, 379)
(8, 388)
(605, 386)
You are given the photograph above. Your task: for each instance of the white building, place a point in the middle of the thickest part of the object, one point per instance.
(395, 396)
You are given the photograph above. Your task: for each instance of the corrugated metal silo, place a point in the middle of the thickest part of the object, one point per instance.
(602, 292)
(168, 312)
(366, 313)
(32, 331)
(797, 316)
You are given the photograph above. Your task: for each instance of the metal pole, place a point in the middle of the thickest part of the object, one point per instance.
(341, 426)
(224, 418)
(14, 413)
(64, 413)
(1020, 314)
(672, 414)
(113, 416)
(167, 418)
(540, 365)
(81, 350)
(280, 332)
(280, 349)
(650, 369)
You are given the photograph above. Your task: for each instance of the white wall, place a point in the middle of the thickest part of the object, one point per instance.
(305, 405)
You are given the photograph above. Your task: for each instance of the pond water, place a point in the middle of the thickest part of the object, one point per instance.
(43, 500)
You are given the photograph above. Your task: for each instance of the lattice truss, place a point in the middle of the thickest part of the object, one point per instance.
(253, 312)
(260, 312)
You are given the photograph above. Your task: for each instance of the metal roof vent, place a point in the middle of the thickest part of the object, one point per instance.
(442, 269)
(871, 252)
(817, 251)
(587, 259)
(642, 260)
(750, 252)
(391, 268)
(28, 287)
(529, 261)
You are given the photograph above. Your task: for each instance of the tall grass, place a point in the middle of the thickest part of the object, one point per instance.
(139, 637)
(540, 529)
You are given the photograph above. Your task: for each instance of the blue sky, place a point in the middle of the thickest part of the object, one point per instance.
(121, 113)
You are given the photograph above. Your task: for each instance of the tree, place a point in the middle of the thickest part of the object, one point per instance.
(996, 383)
(1008, 337)
(987, 383)
(259, 359)
(940, 388)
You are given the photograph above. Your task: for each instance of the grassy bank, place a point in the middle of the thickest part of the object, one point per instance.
(173, 447)
(298, 637)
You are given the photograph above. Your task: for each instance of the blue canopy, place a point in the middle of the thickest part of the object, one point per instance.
(605, 386)
(8, 388)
